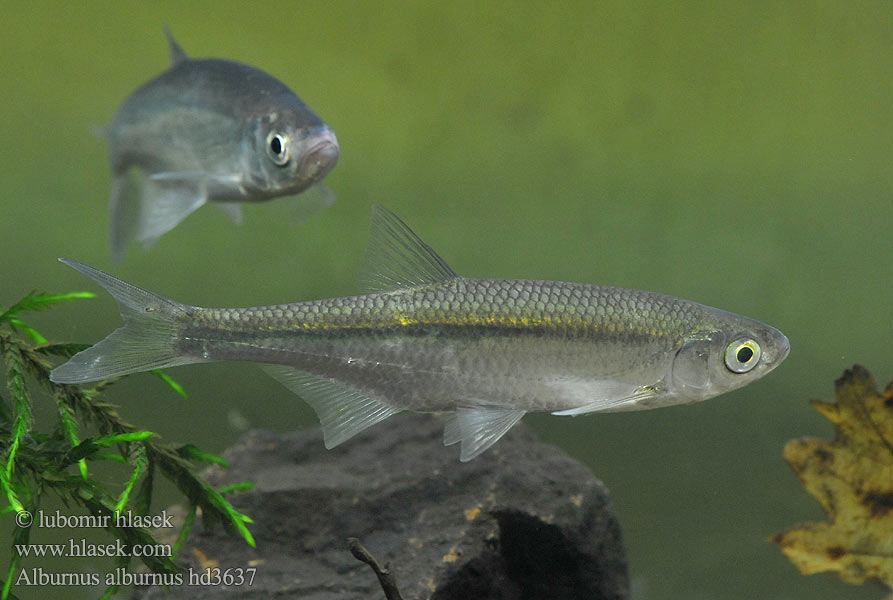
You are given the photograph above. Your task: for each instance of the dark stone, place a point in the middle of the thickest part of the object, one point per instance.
(523, 520)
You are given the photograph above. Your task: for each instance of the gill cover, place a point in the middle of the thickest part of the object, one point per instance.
(691, 367)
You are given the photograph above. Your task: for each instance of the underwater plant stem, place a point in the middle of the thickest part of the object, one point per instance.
(384, 574)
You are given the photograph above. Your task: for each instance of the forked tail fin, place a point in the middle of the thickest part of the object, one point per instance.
(147, 341)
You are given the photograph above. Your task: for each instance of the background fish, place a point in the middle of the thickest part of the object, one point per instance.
(210, 130)
(487, 350)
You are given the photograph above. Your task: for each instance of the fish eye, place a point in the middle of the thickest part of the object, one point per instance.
(742, 355)
(277, 148)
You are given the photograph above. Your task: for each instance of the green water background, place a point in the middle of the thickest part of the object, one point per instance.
(740, 155)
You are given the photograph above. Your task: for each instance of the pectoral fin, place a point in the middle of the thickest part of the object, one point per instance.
(123, 206)
(171, 196)
(609, 396)
(343, 411)
(232, 209)
(310, 203)
(230, 179)
(478, 428)
(164, 205)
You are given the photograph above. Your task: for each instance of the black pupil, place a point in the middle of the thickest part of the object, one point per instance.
(744, 354)
(276, 145)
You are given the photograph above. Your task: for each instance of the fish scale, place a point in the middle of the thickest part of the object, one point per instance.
(489, 303)
(486, 351)
(462, 337)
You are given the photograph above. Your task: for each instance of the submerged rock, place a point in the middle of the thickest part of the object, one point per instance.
(523, 520)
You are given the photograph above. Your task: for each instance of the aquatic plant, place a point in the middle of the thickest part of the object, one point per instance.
(35, 463)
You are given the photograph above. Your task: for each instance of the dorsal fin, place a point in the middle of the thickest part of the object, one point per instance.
(177, 53)
(397, 258)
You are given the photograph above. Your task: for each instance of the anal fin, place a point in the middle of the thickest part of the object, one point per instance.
(343, 411)
(478, 428)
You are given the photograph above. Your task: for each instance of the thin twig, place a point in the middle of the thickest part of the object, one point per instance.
(384, 574)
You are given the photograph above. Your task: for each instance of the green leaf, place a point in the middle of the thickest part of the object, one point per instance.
(122, 562)
(193, 452)
(170, 381)
(108, 456)
(237, 518)
(101, 505)
(215, 508)
(143, 502)
(236, 487)
(21, 537)
(10, 492)
(30, 331)
(89, 447)
(5, 415)
(36, 301)
(70, 427)
(139, 464)
(188, 522)
(118, 438)
(15, 371)
(22, 416)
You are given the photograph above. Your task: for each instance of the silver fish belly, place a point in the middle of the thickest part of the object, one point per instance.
(485, 350)
(209, 130)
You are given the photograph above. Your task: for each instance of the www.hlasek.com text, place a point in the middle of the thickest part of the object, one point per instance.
(81, 548)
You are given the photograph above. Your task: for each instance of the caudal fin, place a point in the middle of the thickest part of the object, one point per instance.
(147, 341)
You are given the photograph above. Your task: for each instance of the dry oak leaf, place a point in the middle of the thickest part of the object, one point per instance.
(852, 478)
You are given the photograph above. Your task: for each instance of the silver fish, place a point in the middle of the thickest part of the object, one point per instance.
(486, 350)
(210, 130)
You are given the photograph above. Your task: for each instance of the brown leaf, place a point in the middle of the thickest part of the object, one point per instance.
(852, 478)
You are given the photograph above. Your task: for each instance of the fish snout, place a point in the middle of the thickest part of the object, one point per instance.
(784, 348)
(321, 155)
(777, 347)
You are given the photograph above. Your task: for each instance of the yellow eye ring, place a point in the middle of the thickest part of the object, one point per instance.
(742, 355)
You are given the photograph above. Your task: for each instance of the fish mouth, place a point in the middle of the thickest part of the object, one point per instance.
(783, 348)
(321, 156)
